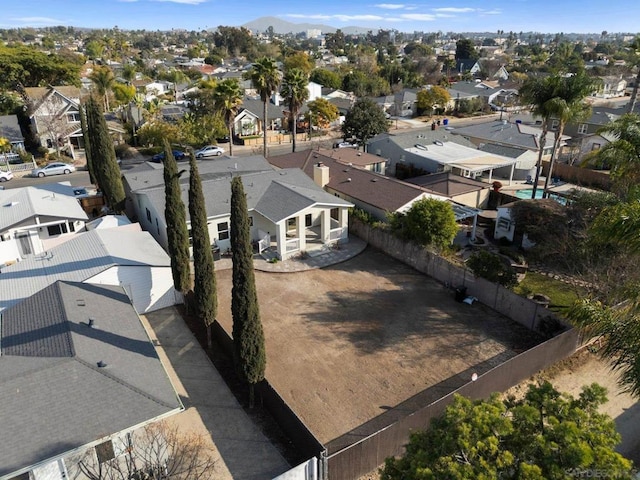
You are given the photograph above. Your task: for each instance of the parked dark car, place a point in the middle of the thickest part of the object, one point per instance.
(177, 154)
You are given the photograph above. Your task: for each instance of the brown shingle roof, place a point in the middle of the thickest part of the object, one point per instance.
(448, 184)
(381, 192)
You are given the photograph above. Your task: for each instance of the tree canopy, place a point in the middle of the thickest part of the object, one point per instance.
(428, 222)
(364, 121)
(544, 436)
(433, 97)
(28, 67)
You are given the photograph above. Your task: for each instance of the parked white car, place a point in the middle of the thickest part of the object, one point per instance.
(209, 151)
(6, 176)
(56, 168)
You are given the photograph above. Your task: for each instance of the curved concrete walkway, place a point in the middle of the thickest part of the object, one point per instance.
(329, 257)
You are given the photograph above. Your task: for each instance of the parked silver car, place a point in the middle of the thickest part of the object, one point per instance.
(6, 176)
(209, 151)
(56, 168)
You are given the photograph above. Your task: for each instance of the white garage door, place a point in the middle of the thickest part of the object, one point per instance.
(150, 288)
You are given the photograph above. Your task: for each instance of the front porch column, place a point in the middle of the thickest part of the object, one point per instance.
(473, 229)
(281, 239)
(301, 233)
(513, 167)
(325, 225)
(343, 220)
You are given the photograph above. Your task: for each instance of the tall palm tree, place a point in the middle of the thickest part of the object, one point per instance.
(537, 93)
(568, 106)
(635, 48)
(295, 93)
(103, 79)
(228, 98)
(265, 76)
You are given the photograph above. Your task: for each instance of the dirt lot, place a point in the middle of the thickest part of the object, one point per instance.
(347, 342)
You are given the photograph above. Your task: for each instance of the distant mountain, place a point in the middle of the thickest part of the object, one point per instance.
(282, 26)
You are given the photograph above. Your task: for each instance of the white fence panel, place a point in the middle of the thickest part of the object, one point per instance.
(305, 471)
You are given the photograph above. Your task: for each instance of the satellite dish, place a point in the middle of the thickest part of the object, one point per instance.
(474, 377)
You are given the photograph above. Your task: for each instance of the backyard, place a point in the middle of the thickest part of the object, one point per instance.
(348, 342)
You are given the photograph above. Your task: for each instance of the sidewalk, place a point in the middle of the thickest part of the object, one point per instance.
(242, 450)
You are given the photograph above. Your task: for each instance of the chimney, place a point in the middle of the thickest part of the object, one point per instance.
(320, 174)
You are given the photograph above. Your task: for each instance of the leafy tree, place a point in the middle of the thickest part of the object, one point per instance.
(155, 132)
(103, 80)
(301, 61)
(176, 219)
(544, 436)
(103, 157)
(295, 93)
(433, 97)
(123, 93)
(427, 222)
(205, 276)
(322, 112)
(228, 98)
(265, 77)
(326, 78)
(493, 268)
(364, 121)
(24, 66)
(248, 337)
(466, 49)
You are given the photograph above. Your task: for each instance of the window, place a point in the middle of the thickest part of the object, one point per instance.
(223, 231)
(104, 451)
(251, 221)
(595, 146)
(335, 213)
(582, 128)
(57, 229)
(555, 124)
(190, 237)
(148, 215)
(73, 117)
(308, 221)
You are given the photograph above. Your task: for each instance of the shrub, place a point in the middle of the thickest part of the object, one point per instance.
(491, 267)
(362, 215)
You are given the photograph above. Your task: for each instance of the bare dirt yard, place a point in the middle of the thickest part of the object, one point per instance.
(346, 343)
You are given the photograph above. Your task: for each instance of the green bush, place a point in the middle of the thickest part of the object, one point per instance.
(363, 216)
(492, 267)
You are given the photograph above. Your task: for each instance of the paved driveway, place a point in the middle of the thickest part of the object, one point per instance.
(244, 452)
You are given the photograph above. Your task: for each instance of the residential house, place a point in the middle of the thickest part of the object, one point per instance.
(585, 135)
(505, 226)
(249, 120)
(10, 129)
(354, 157)
(79, 376)
(33, 220)
(490, 92)
(525, 160)
(508, 134)
(467, 65)
(374, 193)
(461, 190)
(401, 104)
(122, 257)
(612, 87)
(55, 116)
(434, 151)
(287, 210)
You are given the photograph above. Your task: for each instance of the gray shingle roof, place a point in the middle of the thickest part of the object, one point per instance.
(293, 192)
(79, 259)
(151, 174)
(20, 204)
(54, 396)
(426, 136)
(10, 128)
(505, 151)
(513, 134)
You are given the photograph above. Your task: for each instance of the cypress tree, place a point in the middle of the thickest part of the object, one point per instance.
(176, 219)
(87, 144)
(248, 338)
(205, 276)
(103, 157)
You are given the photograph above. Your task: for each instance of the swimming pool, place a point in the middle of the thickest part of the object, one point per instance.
(526, 194)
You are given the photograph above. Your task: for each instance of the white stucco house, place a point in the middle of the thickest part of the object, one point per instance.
(290, 214)
(33, 220)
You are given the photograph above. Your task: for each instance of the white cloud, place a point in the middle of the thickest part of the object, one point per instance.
(421, 17)
(491, 12)
(34, 21)
(391, 6)
(454, 9)
(342, 18)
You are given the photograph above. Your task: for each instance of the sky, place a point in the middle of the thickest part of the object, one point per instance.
(545, 16)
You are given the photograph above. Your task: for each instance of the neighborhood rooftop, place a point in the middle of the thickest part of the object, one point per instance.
(76, 366)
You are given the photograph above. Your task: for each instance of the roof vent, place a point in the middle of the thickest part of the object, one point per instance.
(11, 204)
(374, 179)
(80, 302)
(349, 179)
(101, 364)
(91, 323)
(439, 143)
